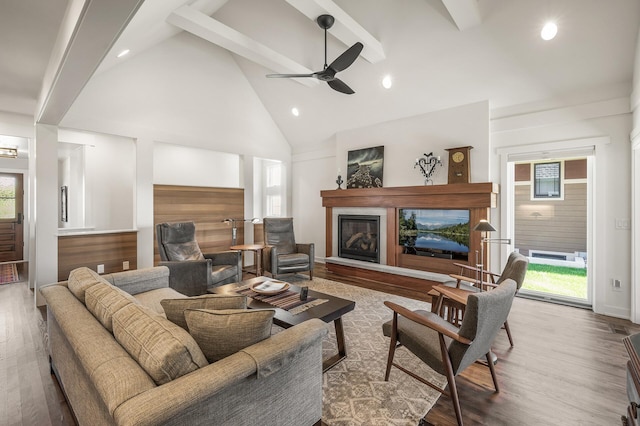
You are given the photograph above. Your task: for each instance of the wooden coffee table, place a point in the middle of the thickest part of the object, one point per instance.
(333, 310)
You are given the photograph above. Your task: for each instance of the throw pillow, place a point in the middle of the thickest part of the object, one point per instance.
(183, 251)
(223, 333)
(104, 300)
(164, 350)
(174, 308)
(80, 279)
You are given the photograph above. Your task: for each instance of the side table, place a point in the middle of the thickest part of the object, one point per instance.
(257, 254)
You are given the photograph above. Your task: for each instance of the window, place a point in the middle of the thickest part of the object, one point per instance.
(546, 180)
(273, 189)
(7, 197)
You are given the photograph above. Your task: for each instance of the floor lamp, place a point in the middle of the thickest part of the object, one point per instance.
(234, 228)
(484, 226)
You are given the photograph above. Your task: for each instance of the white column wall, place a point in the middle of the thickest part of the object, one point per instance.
(43, 263)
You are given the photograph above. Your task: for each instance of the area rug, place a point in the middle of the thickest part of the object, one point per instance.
(8, 273)
(354, 391)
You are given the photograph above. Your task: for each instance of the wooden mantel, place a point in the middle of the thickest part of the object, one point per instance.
(478, 198)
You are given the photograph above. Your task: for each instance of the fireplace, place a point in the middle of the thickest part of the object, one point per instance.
(358, 237)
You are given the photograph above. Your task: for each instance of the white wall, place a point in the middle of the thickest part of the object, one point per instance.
(183, 91)
(180, 165)
(635, 188)
(404, 140)
(408, 138)
(110, 170)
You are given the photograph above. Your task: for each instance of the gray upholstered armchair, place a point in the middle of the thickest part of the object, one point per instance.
(282, 255)
(191, 271)
(445, 348)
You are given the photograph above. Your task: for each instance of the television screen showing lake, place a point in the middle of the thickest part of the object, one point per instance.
(436, 231)
(438, 242)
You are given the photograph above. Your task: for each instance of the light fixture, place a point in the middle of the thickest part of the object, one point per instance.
(8, 152)
(549, 31)
(295, 111)
(387, 82)
(484, 226)
(234, 228)
(123, 53)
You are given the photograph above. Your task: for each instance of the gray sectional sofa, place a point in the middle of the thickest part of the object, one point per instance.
(277, 381)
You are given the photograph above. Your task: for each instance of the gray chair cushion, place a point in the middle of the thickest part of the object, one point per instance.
(183, 251)
(422, 341)
(293, 259)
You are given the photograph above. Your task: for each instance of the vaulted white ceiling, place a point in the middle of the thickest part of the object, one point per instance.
(440, 53)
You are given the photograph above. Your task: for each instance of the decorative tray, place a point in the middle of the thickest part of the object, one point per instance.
(270, 287)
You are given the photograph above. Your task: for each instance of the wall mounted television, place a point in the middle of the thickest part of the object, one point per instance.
(435, 233)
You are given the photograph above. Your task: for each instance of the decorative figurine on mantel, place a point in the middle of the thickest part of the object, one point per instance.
(339, 181)
(427, 166)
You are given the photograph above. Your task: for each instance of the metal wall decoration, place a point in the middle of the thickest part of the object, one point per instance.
(427, 166)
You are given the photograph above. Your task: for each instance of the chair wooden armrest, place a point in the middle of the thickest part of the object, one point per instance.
(432, 321)
(459, 278)
(472, 281)
(456, 294)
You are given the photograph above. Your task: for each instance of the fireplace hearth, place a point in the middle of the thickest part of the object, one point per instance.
(358, 237)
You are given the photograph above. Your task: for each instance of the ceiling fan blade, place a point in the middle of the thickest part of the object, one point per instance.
(289, 75)
(340, 86)
(347, 58)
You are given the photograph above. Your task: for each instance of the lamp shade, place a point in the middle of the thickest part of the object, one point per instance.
(484, 226)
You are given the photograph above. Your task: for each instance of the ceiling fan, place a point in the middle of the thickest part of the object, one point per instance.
(341, 63)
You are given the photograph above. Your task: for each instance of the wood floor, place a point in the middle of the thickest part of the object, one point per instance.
(567, 368)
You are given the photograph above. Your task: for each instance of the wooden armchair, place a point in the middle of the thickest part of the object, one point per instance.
(445, 348)
(515, 269)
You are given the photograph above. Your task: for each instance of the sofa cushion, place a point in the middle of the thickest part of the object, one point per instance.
(104, 300)
(140, 280)
(183, 251)
(164, 350)
(80, 279)
(174, 308)
(225, 332)
(153, 298)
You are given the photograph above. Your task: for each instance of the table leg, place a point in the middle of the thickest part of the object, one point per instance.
(342, 349)
(258, 262)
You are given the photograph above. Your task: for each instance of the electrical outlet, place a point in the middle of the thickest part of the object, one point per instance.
(624, 224)
(101, 269)
(125, 265)
(617, 285)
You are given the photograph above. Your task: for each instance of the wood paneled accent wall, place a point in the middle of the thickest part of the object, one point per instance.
(478, 198)
(205, 206)
(90, 250)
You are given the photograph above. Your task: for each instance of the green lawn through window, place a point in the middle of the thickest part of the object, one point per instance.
(560, 280)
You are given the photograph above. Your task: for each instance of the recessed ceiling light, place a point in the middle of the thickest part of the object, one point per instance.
(386, 82)
(295, 111)
(123, 53)
(549, 31)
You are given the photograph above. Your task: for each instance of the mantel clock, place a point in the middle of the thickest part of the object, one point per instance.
(459, 165)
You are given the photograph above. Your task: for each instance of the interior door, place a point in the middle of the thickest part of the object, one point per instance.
(11, 217)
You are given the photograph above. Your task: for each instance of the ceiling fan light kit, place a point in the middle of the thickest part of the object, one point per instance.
(341, 63)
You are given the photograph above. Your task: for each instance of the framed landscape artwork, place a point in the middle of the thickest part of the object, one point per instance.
(364, 168)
